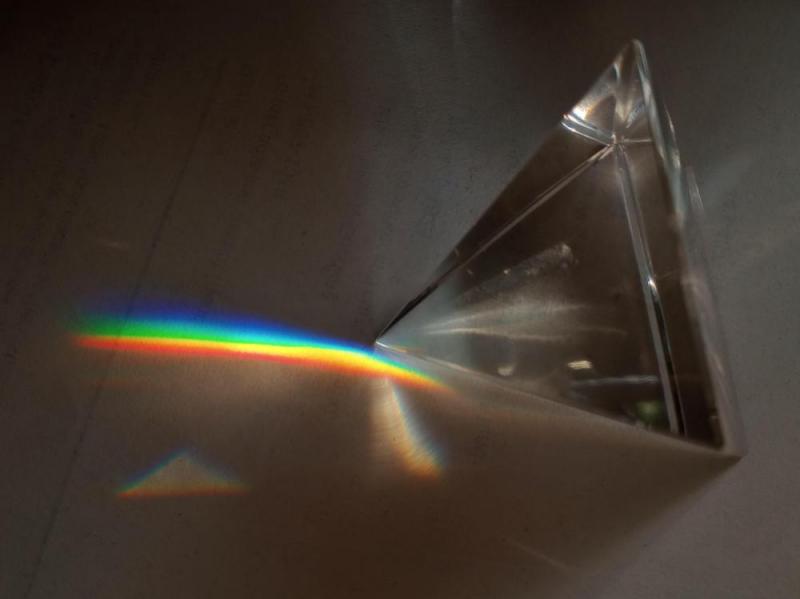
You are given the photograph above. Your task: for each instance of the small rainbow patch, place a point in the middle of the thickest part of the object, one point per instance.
(182, 474)
(397, 429)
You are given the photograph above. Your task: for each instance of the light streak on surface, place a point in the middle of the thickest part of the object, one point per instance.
(551, 561)
(580, 365)
(399, 430)
(182, 474)
(191, 337)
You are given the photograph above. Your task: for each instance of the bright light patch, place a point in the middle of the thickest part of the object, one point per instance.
(580, 365)
(398, 429)
(184, 336)
(182, 474)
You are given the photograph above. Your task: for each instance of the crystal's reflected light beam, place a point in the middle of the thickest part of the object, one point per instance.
(398, 429)
(187, 337)
(182, 474)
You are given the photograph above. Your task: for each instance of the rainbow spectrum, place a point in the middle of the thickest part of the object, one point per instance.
(222, 338)
(182, 474)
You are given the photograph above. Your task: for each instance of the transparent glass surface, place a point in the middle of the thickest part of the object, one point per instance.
(582, 283)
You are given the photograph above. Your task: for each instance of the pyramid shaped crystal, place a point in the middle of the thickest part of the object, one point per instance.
(582, 283)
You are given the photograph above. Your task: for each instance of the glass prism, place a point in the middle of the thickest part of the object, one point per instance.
(583, 283)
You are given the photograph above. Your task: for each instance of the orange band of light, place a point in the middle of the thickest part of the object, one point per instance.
(340, 360)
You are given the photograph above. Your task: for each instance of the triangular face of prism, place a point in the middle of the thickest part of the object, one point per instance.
(580, 284)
